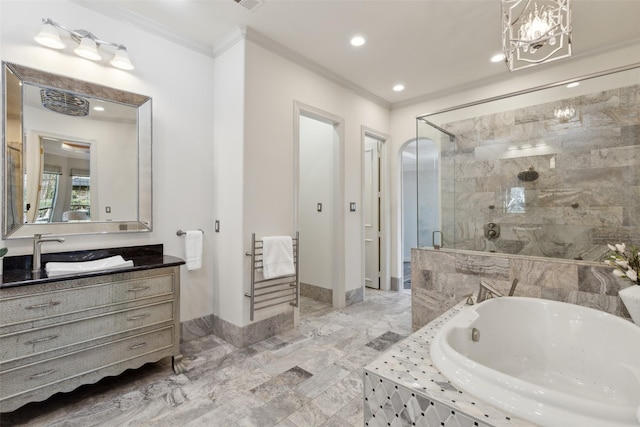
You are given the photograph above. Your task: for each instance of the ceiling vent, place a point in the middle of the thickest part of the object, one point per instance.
(64, 102)
(250, 4)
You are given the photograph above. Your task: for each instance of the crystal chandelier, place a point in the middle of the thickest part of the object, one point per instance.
(534, 32)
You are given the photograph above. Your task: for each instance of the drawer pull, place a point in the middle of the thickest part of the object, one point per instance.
(133, 347)
(44, 305)
(139, 316)
(42, 374)
(42, 339)
(138, 289)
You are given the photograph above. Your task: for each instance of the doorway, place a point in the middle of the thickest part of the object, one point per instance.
(372, 209)
(319, 204)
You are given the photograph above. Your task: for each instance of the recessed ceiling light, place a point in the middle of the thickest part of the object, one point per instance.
(498, 57)
(98, 108)
(574, 84)
(357, 41)
(398, 87)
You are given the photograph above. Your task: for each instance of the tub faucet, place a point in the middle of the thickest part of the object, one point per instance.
(38, 240)
(487, 291)
(513, 287)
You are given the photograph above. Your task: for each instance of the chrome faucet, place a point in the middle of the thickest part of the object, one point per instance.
(38, 240)
(487, 291)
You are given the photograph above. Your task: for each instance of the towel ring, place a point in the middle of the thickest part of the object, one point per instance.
(182, 233)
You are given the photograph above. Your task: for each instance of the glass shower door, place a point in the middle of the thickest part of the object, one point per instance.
(431, 143)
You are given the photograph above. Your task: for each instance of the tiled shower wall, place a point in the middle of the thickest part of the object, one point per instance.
(442, 278)
(588, 189)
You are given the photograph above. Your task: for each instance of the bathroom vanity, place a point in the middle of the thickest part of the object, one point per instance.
(59, 333)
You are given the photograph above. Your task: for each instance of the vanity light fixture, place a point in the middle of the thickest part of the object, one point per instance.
(88, 44)
(535, 31)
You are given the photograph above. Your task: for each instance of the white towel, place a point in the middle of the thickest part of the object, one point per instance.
(193, 249)
(277, 257)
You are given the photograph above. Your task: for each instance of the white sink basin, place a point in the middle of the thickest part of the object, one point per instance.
(64, 268)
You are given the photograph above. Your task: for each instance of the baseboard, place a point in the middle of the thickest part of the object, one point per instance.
(316, 293)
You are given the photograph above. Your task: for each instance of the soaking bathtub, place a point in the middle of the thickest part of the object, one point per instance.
(552, 363)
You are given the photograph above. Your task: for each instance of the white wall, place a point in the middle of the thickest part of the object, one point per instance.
(230, 262)
(317, 154)
(273, 84)
(180, 82)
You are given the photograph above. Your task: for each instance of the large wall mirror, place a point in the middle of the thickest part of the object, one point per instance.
(548, 172)
(77, 156)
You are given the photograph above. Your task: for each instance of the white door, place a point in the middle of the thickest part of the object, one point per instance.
(372, 231)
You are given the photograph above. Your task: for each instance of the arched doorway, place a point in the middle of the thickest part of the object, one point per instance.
(420, 161)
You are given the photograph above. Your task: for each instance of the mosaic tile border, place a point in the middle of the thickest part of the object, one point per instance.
(404, 388)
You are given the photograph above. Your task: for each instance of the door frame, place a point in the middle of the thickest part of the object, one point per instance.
(385, 217)
(338, 274)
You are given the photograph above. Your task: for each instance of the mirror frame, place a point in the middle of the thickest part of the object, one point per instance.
(143, 104)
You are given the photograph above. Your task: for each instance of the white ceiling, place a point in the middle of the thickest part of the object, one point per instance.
(431, 46)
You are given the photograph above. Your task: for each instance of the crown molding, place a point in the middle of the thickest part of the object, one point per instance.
(138, 21)
(283, 51)
(234, 36)
(229, 40)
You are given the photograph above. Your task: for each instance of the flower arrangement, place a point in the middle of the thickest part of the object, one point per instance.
(626, 261)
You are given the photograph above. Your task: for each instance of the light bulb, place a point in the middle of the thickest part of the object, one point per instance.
(358, 41)
(87, 49)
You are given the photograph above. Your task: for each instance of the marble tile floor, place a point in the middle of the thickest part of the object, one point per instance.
(308, 376)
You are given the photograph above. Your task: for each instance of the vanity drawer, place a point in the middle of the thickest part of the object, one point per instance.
(44, 304)
(76, 364)
(40, 340)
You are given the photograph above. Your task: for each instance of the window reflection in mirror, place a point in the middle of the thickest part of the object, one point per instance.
(59, 182)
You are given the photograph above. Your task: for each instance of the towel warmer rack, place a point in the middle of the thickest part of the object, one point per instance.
(275, 291)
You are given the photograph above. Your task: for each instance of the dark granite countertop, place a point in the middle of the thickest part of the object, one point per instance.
(17, 269)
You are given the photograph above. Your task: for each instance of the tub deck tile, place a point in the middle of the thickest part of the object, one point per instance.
(406, 372)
